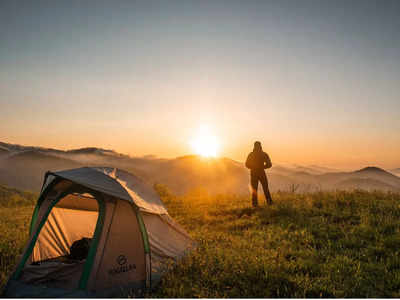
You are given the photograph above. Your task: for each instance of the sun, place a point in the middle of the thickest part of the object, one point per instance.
(205, 143)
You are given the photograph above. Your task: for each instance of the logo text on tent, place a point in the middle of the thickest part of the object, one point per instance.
(123, 267)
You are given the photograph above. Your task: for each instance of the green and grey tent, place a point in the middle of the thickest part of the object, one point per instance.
(132, 237)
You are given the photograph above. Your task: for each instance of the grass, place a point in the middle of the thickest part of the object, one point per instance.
(326, 244)
(10, 197)
(16, 209)
(14, 226)
(336, 244)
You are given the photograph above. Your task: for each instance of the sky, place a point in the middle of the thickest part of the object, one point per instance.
(317, 82)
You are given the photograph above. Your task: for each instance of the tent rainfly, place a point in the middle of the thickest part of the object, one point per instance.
(131, 237)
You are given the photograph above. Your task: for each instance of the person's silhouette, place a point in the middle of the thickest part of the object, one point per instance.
(257, 161)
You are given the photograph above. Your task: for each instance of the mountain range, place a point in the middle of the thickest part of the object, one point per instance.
(24, 166)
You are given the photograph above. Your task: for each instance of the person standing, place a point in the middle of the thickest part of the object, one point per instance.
(257, 161)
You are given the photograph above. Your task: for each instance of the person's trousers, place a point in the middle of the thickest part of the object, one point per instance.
(256, 177)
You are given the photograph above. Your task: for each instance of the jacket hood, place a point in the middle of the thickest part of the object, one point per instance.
(257, 146)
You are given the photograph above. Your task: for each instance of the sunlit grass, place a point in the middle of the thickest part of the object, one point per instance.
(338, 244)
(14, 226)
(327, 244)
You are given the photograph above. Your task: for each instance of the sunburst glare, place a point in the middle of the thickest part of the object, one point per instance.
(205, 143)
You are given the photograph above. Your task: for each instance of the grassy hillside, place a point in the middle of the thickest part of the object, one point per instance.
(329, 244)
(14, 226)
(16, 209)
(337, 244)
(11, 197)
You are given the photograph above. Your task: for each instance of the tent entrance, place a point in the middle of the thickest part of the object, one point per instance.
(66, 236)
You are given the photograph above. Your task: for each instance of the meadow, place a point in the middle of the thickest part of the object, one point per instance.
(323, 244)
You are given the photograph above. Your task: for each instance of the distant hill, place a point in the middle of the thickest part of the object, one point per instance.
(313, 169)
(395, 171)
(379, 174)
(217, 175)
(17, 148)
(95, 151)
(367, 184)
(3, 151)
(24, 167)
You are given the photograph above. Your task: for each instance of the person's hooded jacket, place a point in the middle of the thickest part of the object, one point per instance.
(258, 160)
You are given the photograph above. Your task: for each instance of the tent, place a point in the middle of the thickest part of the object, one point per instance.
(132, 238)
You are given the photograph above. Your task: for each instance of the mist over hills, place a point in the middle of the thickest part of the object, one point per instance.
(24, 166)
(395, 171)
